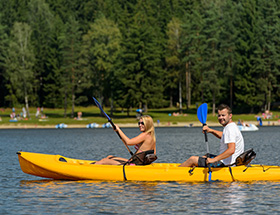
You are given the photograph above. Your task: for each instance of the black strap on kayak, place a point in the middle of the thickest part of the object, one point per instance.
(270, 167)
(62, 159)
(127, 162)
(124, 176)
(191, 171)
(230, 170)
(246, 168)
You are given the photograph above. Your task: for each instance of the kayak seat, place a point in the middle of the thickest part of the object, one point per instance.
(149, 158)
(62, 159)
(245, 158)
(143, 158)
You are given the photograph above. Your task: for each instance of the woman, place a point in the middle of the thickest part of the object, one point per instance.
(144, 143)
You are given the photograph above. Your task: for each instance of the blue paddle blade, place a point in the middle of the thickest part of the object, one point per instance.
(202, 113)
(99, 106)
(210, 176)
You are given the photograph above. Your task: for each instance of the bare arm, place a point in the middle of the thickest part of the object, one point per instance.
(133, 141)
(216, 133)
(224, 155)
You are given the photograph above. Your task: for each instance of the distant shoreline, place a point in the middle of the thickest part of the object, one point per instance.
(128, 125)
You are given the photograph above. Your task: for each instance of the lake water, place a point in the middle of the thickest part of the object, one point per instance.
(27, 194)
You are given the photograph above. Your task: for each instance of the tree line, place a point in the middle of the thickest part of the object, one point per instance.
(140, 53)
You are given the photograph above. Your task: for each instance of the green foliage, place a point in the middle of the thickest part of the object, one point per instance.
(40, 19)
(19, 63)
(52, 96)
(174, 73)
(140, 54)
(4, 42)
(140, 73)
(100, 53)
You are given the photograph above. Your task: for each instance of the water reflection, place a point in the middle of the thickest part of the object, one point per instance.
(97, 195)
(134, 197)
(234, 197)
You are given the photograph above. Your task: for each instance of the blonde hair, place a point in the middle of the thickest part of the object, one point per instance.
(149, 125)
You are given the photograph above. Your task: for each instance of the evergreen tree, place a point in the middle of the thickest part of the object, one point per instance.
(4, 42)
(141, 56)
(246, 85)
(14, 11)
(53, 76)
(227, 52)
(211, 62)
(193, 48)
(70, 47)
(41, 22)
(265, 62)
(173, 61)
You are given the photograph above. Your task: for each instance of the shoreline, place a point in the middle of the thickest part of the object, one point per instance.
(130, 125)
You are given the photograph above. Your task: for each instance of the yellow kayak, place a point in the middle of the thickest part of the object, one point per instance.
(63, 168)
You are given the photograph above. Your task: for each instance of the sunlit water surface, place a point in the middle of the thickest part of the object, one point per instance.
(26, 194)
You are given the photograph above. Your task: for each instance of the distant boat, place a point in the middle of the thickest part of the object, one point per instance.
(251, 127)
(107, 125)
(61, 125)
(93, 125)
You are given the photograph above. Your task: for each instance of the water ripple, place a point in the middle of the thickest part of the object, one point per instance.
(26, 194)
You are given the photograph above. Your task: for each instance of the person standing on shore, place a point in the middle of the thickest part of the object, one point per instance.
(38, 112)
(23, 112)
(231, 144)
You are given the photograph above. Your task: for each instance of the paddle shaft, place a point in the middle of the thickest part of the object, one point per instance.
(202, 116)
(110, 121)
(206, 140)
(114, 127)
(207, 155)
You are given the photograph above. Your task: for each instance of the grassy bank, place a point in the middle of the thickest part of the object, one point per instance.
(166, 116)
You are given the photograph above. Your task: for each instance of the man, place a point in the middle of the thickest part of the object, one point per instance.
(231, 145)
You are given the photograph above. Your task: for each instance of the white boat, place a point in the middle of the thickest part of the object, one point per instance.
(93, 125)
(107, 125)
(61, 125)
(251, 127)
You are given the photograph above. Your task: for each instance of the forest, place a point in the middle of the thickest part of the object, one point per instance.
(140, 53)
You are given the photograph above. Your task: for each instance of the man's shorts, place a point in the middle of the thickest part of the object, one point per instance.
(202, 162)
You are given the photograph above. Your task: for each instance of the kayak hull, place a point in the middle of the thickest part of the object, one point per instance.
(62, 168)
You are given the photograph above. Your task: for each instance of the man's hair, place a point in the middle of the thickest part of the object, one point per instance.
(224, 106)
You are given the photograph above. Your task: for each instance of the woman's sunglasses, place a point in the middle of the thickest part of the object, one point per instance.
(140, 123)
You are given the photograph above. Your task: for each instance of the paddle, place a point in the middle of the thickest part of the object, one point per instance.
(202, 117)
(110, 121)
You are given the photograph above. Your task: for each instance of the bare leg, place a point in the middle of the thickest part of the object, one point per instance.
(110, 160)
(192, 161)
